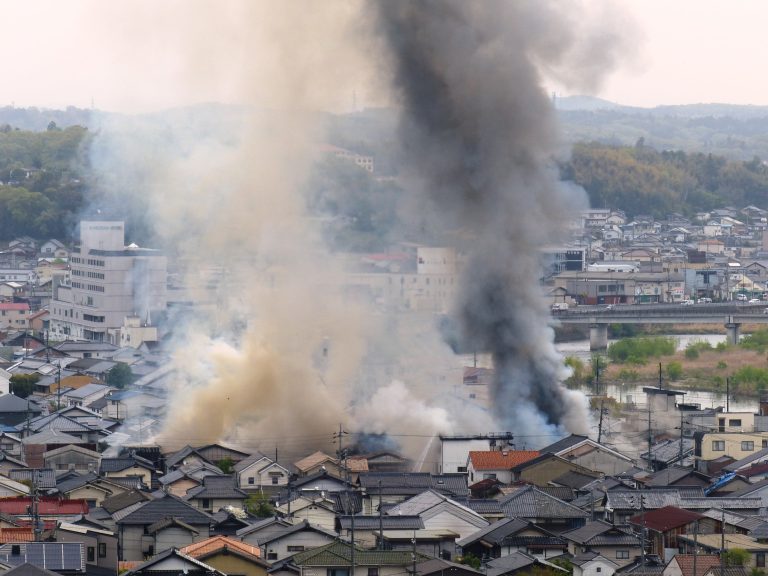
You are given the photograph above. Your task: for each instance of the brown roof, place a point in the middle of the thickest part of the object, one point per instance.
(313, 460)
(357, 464)
(16, 535)
(212, 545)
(666, 518)
(703, 563)
(500, 459)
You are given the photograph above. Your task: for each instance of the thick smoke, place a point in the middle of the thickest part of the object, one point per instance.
(479, 134)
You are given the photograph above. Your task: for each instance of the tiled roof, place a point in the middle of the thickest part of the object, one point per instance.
(357, 464)
(122, 501)
(388, 522)
(166, 507)
(483, 506)
(339, 554)
(563, 444)
(216, 543)
(217, 487)
(44, 478)
(703, 563)
(575, 480)
(496, 532)
(123, 463)
(509, 563)
(246, 462)
(530, 502)
(16, 535)
(500, 459)
(299, 527)
(599, 533)
(46, 506)
(666, 518)
(167, 522)
(412, 483)
(313, 460)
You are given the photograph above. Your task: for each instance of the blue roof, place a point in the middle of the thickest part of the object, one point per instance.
(123, 394)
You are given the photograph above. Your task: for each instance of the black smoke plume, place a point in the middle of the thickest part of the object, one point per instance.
(478, 135)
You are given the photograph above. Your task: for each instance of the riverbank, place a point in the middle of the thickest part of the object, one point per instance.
(576, 332)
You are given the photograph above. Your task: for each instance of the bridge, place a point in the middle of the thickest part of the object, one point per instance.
(730, 314)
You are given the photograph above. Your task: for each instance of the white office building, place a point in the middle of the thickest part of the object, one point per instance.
(107, 282)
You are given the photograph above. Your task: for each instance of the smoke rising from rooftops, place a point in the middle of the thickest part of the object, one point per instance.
(479, 135)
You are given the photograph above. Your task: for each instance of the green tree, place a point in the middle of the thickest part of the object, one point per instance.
(226, 465)
(470, 560)
(674, 370)
(736, 557)
(258, 505)
(120, 375)
(22, 385)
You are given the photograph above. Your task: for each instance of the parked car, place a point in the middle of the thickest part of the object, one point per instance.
(705, 300)
(687, 302)
(741, 297)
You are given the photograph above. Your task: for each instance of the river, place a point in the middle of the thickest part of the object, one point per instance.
(634, 392)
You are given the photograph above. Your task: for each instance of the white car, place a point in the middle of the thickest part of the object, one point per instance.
(741, 297)
(687, 302)
(755, 301)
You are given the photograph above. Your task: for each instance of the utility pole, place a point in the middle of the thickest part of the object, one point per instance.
(680, 454)
(661, 382)
(642, 532)
(381, 521)
(650, 437)
(722, 541)
(597, 374)
(600, 425)
(727, 394)
(413, 553)
(696, 544)
(36, 524)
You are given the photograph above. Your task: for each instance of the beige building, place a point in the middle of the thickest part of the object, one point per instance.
(14, 316)
(737, 445)
(108, 281)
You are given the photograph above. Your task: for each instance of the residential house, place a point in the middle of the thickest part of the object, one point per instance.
(496, 464)
(15, 410)
(215, 493)
(663, 526)
(100, 545)
(394, 487)
(440, 512)
(150, 527)
(317, 462)
(124, 466)
(612, 542)
(513, 535)
(532, 504)
(257, 472)
(297, 538)
(589, 454)
(433, 543)
(72, 457)
(367, 528)
(14, 316)
(593, 564)
(714, 543)
(336, 559)
(228, 555)
(262, 529)
(543, 469)
(173, 561)
(683, 564)
(317, 509)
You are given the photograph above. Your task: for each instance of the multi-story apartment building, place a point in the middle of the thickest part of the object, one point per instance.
(107, 282)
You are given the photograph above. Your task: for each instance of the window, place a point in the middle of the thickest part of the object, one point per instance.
(373, 572)
(91, 557)
(206, 503)
(251, 480)
(337, 572)
(735, 422)
(622, 554)
(271, 555)
(598, 569)
(461, 469)
(275, 479)
(102, 550)
(718, 445)
(760, 559)
(295, 548)
(747, 445)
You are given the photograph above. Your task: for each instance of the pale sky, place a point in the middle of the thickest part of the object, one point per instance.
(135, 55)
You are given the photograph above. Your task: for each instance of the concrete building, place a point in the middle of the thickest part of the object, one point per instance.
(108, 282)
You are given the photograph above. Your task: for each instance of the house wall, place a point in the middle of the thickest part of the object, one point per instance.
(72, 460)
(89, 494)
(359, 570)
(731, 445)
(600, 461)
(145, 474)
(93, 539)
(177, 537)
(306, 538)
(594, 567)
(216, 504)
(315, 515)
(446, 520)
(610, 552)
(234, 564)
(542, 473)
(180, 487)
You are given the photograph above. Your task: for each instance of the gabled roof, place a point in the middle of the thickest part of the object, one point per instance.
(703, 563)
(252, 459)
(500, 459)
(123, 463)
(412, 483)
(339, 554)
(599, 533)
(302, 526)
(430, 502)
(575, 479)
(44, 478)
(505, 531)
(157, 562)
(215, 544)
(19, 506)
(530, 502)
(12, 403)
(166, 506)
(217, 487)
(674, 475)
(29, 569)
(509, 563)
(168, 522)
(563, 444)
(666, 518)
(178, 456)
(51, 437)
(314, 460)
(123, 500)
(387, 522)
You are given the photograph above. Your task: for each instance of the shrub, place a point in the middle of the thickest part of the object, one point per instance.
(721, 346)
(722, 365)
(750, 376)
(674, 370)
(628, 375)
(691, 353)
(638, 350)
(758, 340)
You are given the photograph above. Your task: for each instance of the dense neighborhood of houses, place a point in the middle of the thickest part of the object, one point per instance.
(85, 489)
